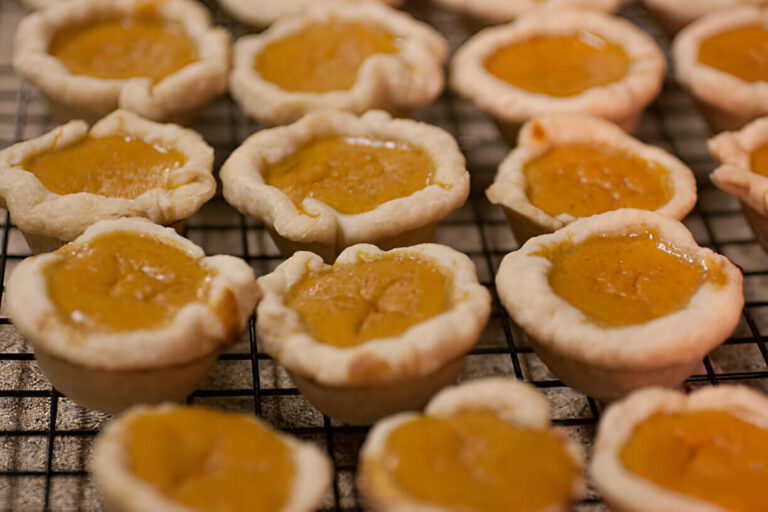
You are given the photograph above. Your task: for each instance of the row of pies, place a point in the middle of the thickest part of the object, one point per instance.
(484, 446)
(165, 60)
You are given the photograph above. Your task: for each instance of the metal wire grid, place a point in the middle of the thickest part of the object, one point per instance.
(45, 438)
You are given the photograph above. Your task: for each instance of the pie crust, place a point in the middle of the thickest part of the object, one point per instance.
(323, 230)
(261, 13)
(621, 102)
(499, 11)
(48, 220)
(176, 97)
(111, 370)
(123, 491)
(38, 4)
(397, 82)
(515, 402)
(360, 384)
(675, 14)
(733, 150)
(625, 491)
(609, 362)
(726, 101)
(543, 133)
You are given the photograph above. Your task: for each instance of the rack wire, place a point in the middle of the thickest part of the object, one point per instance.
(45, 438)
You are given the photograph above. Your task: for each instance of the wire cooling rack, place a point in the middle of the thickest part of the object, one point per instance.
(45, 438)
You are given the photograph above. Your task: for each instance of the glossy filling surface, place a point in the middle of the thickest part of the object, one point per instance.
(124, 48)
(627, 280)
(742, 52)
(352, 174)
(322, 57)
(211, 461)
(758, 160)
(709, 454)
(560, 66)
(476, 461)
(113, 166)
(350, 304)
(582, 181)
(124, 280)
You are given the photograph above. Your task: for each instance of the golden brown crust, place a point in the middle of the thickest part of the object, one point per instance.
(323, 230)
(621, 102)
(626, 492)
(609, 362)
(397, 82)
(675, 14)
(543, 133)
(176, 97)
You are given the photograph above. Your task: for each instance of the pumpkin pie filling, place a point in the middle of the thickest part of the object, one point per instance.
(124, 280)
(323, 57)
(125, 48)
(759, 160)
(211, 461)
(476, 461)
(581, 180)
(742, 52)
(709, 454)
(113, 166)
(560, 66)
(352, 174)
(350, 304)
(626, 280)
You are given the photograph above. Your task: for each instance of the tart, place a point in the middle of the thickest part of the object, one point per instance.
(332, 180)
(564, 60)
(485, 445)
(178, 458)
(261, 13)
(345, 57)
(569, 166)
(58, 184)
(743, 172)
(129, 312)
(162, 60)
(621, 300)
(664, 451)
(675, 14)
(722, 60)
(499, 11)
(377, 332)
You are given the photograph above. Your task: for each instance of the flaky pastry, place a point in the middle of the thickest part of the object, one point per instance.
(260, 13)
(675, 14)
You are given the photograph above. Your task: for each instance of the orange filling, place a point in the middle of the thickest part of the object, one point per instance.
(211, 461)
(114, 166)
(560, 66)
(322, 58)
(124, 48)
(709, 454)
(759, 160)
(627, 280)
(124, 280)
(352, 174)
(742, 52)
(476, 461)
(583, 181)
(350, 304)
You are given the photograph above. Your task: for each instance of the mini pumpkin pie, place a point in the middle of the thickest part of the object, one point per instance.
(675, 14)
(377, 332)
(162, 60)
(346, 57)
(332, 180)
(177, 458)
(484, 446)
(260, 13)
(621, 300)
(743, 172)
(570, 166)
(722, 59)
(664, 451)
(129, 312)
(499, 11)
(58, 184)
(559, 60)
